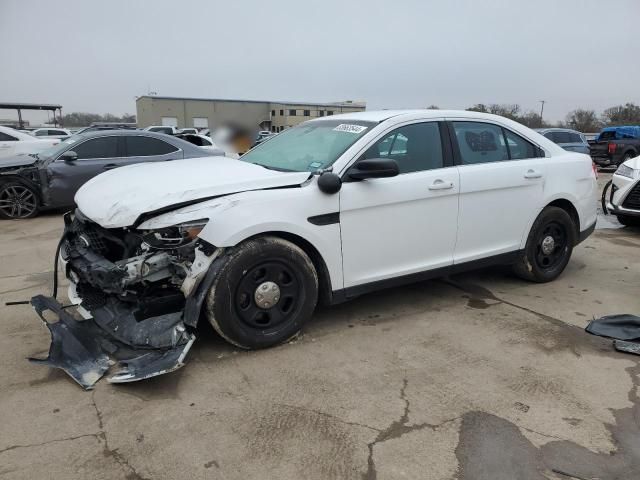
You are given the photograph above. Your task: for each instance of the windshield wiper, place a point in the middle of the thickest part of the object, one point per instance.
(277, 169)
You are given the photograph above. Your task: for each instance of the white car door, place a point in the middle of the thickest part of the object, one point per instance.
(7, 145)
(405, 224)
(501, 188)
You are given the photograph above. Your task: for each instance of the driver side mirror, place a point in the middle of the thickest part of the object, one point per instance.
(69, 156)
(373, 168)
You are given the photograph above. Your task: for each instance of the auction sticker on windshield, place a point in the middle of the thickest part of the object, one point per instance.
(345, 127)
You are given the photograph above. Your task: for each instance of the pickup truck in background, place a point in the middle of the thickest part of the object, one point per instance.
(615, 145)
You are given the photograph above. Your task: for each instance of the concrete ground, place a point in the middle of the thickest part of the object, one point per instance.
(479, 376)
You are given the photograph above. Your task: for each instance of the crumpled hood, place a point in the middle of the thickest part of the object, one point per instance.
(118, 197)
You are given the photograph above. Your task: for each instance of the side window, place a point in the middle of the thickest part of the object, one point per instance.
(574, 138)
(42, 133)
(7, 138)
(103, 147)
(520, 148)
(147, 146)
(415, 147)
(480, 142)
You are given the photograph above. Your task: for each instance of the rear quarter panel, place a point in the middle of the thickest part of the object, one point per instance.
(569, 176)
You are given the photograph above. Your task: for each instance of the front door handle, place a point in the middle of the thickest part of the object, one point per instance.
(110, 166)
(532, 174)
(440, 185)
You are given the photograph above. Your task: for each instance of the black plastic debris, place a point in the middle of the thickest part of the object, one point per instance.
(620, 327)
(623, 328)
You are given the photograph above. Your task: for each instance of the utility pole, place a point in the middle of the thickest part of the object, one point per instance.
(541, 110)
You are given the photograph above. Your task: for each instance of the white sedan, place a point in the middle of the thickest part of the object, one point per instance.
(51, 132)
(13, 142)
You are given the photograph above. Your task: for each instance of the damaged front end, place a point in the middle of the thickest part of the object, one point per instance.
(135, 300)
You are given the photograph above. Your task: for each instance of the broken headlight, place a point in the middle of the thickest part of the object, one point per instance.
(174, 236)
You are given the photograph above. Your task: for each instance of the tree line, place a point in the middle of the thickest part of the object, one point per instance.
(80, 119)
(583, 120)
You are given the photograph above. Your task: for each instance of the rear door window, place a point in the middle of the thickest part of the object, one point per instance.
(102, 147)
(480, 142)
(138, 146)
(519, 148)
(7, 138)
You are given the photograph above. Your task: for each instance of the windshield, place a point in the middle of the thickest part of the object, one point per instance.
(59, 148)
(309, 146)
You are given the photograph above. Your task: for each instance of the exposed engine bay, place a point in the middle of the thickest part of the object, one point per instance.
(136, 300)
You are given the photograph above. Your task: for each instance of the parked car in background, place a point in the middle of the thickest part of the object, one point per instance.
(323, 212)
(13, 142)
(50, 179)
(51, 132)
(568, 139)
(624, 196)
(207, 144)
(163, 129)
(189, 130)
(616, 145)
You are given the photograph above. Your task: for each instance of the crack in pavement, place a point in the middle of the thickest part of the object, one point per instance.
(397, 429)
(57, 440)
(113, 452)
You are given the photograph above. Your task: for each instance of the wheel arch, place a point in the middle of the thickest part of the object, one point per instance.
(570, 208)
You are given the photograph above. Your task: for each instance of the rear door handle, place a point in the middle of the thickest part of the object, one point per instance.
(440, 185)
(532, 174)
(110, 166)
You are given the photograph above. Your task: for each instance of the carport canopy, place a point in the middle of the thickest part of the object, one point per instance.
(34, 106)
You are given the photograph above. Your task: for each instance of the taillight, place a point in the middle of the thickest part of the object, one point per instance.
(595, 169)
(611, 148)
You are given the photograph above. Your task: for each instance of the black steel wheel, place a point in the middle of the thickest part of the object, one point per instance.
(17, 201)
(265, 290)
(549, 246)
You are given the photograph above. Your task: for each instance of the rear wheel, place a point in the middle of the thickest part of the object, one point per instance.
(265, 291)
(549, 246)
(628, 220)
(17, 201)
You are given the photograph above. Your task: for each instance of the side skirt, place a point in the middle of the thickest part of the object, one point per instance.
(340, 296)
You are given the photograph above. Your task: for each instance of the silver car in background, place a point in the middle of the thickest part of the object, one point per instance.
(568, 139)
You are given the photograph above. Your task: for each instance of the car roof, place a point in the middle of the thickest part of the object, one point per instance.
(556, 129)
(382, 115)
(175, 141)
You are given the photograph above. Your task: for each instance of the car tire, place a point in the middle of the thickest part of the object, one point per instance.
(549, 246)
(265, 291)
(629, 221)
(18, 201)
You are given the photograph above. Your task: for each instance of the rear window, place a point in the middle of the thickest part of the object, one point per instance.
(147, 146)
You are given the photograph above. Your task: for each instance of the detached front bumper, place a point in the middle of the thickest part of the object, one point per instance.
(131, 316)
(87, 350)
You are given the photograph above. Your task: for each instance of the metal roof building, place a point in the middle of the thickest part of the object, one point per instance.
(212, 112)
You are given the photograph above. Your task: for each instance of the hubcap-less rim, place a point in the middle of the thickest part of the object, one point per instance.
(551, 245)
(17, 201)
(268, 295)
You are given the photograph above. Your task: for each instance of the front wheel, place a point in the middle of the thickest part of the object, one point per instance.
(17, 201)
(549, 246)
(265, 291)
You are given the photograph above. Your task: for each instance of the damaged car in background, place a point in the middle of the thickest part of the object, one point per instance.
(326, 211)
(50, 178)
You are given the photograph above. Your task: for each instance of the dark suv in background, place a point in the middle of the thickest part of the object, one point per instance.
(50, 179)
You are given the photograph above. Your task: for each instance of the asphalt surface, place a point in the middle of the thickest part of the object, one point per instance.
(479, 376)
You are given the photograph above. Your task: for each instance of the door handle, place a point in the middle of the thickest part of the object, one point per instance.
(110, 166)
(440, 185)
(532, 174)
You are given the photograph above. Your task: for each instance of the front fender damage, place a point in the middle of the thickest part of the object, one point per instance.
(130, 318)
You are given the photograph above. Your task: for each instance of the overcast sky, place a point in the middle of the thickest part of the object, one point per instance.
(97, 56)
